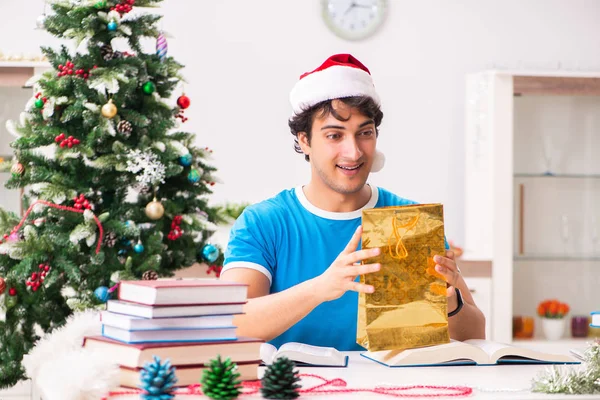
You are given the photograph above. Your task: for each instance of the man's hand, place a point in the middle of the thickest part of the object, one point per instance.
(340, 276)
(447, 267)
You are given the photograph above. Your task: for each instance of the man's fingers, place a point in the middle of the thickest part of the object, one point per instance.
(353, 243)
(445, 262)
(449, 275)
(361, 255)
(362, 269)
(361, 287)
(450, 254)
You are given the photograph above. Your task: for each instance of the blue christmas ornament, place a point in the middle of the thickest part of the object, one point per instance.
(186, 160)
(210, 253)
(122, 252)
(138, 248)
(157, 380)
(112, 26)
(102, 293)
(193, 176)
(130, 224)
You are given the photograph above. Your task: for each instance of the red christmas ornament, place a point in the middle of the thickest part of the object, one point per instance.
(2, 285)
(183, 101)
(216, 269)
(12, 291)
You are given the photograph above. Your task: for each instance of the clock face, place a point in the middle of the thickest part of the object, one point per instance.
(354, 19)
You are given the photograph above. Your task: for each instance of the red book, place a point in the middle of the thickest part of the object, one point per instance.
(182, 353)
(183, 292)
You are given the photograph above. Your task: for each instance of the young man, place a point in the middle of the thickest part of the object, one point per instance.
(298, 250)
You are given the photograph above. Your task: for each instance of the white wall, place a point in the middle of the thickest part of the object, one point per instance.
(243, 57)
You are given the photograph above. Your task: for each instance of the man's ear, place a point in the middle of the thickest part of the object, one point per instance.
(304, 143)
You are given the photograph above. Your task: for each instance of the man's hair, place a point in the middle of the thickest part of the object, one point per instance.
(303, 122)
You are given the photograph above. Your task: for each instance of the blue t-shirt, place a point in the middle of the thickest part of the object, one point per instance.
(291, 241)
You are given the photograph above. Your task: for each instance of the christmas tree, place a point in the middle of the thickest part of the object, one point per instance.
(113, 189)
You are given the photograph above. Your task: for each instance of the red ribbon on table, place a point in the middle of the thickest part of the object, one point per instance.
(333, 386)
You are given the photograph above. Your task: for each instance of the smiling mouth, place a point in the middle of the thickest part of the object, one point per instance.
(348, 168)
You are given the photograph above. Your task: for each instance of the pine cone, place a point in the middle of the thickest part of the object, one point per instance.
(150, 275)
(110, 239)
(220, 381)
(124, 128)
(157, 380)
(107, 52)
(279, 380)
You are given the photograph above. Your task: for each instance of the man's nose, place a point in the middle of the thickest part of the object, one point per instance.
(351, 149)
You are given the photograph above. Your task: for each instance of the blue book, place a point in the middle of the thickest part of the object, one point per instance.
(469, 352)
(169, 335)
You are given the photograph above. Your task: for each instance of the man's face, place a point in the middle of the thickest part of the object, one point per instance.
(341, 152)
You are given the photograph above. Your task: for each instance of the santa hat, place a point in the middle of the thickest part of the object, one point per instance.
(341, 75)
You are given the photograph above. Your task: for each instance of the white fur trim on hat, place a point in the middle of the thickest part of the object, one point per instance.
(332, 83)
(378, 161)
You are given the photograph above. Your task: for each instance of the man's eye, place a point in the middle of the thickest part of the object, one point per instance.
(333, 136)
(367, 133)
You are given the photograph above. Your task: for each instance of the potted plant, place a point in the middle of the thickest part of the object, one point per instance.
(553, 314)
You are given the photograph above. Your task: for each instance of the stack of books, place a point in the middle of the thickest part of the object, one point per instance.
(189, 322)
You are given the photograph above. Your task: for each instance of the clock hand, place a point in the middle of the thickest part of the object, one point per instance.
(352, 5)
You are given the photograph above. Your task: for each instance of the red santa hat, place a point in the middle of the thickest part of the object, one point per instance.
(341, 75)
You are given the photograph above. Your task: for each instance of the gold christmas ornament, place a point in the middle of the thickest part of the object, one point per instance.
(17, 169)
(155, 210)
(109, 110)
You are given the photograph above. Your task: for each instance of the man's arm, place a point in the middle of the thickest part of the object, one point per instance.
(469, 323)
(266, 316)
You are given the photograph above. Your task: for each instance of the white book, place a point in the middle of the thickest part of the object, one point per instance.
(144, 311)
(131, 323)
(304, 354)
(468, 352)
(169, 335)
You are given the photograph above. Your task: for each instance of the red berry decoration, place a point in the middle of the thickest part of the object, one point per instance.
(64, 141)
(124, 7)
(176, 231)
(81, 202)
(37, 278)
(12, 291)
(69, 69)
(183, 101)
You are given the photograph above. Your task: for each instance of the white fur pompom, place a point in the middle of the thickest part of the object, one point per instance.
(378, 161)
(78, 375)
(61, 343)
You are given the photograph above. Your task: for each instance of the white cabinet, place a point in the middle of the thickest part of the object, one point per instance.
(532, 190)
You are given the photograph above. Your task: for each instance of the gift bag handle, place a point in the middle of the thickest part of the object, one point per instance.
(398, 250)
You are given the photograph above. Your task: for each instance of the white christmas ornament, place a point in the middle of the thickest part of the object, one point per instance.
(152, 170)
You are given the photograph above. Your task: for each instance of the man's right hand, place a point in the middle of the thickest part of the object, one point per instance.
(340, 276)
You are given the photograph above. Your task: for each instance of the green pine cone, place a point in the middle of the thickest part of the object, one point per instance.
(280, 380)
(220, 381)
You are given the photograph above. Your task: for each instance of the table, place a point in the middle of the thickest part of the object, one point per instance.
(488, 382)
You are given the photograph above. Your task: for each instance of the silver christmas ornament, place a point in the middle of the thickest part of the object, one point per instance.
(40, 22)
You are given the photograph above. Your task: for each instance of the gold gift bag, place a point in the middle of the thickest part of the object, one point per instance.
(408, 308)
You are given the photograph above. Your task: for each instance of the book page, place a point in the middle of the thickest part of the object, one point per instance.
(452, 352)
(496, 351)
(311, 354)
(267, 353)
(488, 346)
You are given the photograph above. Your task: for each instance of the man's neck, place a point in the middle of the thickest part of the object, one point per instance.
(325, 198)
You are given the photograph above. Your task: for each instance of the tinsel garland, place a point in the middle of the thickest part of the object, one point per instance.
(568, 380)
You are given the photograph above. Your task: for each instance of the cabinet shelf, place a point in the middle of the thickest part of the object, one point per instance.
(557, 176)
(556, 257)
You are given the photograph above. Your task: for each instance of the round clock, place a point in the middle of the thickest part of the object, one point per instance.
(354, 19)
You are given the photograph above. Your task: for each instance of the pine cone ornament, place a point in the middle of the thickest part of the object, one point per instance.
(150, 275)
(107, 52)
(280, 380)
(220, 381)
(110, 239)
(124, 128)
(158, 380)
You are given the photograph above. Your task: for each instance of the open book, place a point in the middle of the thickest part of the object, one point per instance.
(304, 355)
(469, 352)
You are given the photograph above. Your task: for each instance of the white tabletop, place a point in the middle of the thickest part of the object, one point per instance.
(487, 382)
